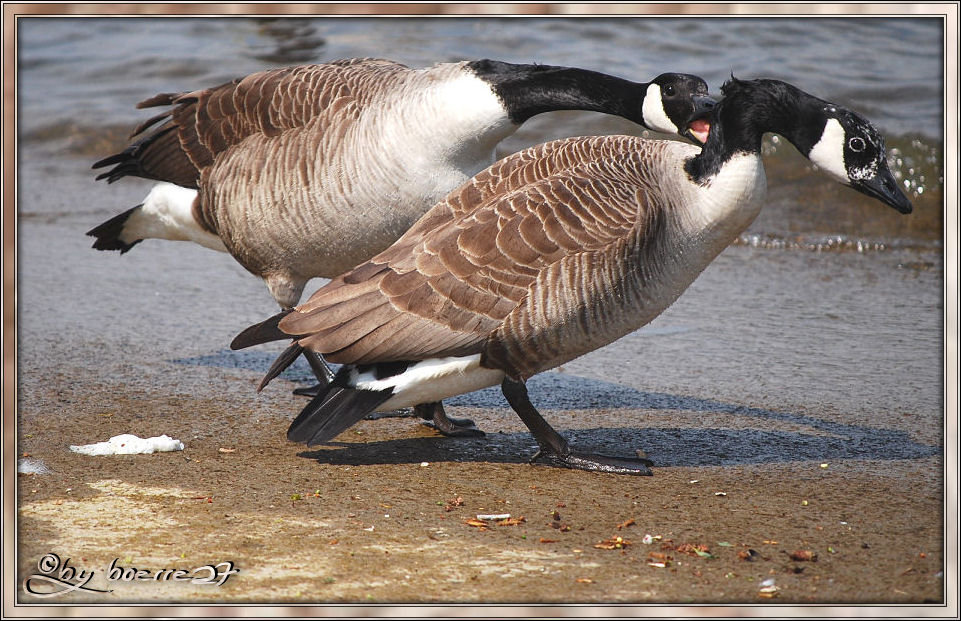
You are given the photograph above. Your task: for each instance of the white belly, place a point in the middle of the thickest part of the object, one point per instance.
(432, 380)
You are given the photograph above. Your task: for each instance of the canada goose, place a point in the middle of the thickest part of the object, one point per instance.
(307, 171)
(551, 253)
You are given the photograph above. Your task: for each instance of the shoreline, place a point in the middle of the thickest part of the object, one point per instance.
(772, 364)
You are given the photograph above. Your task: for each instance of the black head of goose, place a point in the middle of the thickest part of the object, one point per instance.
(551, 253)
(839, 141)
(306, 171)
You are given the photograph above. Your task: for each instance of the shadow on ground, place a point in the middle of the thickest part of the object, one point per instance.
(666, 446)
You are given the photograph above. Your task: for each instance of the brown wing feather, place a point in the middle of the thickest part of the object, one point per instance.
(206, 123)
(472, 261)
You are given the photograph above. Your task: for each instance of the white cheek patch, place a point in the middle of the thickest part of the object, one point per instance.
(828, 153)
(654, 115)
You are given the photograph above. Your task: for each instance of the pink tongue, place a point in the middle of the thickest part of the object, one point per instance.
(701, 129)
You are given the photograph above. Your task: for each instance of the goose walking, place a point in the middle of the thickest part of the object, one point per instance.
(551, 253)
(306, 171)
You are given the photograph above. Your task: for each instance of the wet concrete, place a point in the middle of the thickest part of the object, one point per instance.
(791, 401)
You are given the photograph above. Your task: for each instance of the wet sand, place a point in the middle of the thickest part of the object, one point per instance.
(791, 402)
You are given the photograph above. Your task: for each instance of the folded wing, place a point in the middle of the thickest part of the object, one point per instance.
(472, 260)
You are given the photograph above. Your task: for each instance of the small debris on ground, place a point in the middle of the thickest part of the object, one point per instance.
(482, 521)
(32, 466)
(613, 543)
(768, 588)
(129, 444)
(694, 549)
(658, 559)
(804, 555)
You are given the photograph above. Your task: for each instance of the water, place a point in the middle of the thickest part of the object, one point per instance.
(890, 69)
(828, 313)
(80, 79)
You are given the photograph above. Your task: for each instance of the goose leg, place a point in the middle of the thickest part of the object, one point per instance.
(319, 366)
(554, 449)
(452, 427)
(321, 371)
(287, 292)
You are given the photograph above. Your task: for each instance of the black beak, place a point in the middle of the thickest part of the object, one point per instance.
(884, 187)
(703, 104)
(703, 107)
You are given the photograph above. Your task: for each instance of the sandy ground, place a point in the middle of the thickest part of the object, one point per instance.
(803, 470)
(386, 517)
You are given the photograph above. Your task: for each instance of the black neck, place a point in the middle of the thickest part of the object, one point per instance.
(527, 90)
(751, 108)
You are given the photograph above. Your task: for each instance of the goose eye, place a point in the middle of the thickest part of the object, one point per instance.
(669, 90)
(856, 144)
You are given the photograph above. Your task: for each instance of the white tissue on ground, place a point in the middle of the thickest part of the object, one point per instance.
(129, 444)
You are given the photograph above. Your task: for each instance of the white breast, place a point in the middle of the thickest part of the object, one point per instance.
(720, 210)
(703, 220)
(443, 133)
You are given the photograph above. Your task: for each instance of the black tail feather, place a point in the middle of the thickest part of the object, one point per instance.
(124, 163)
(264, 332)
(108, 233)
(333, 410)
(130, 161)
(116, 158)
(283, 361)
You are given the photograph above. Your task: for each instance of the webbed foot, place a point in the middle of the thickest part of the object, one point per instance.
(321, 371)
(594, 463)
(309, 391)
(437, 418)
(555, 451)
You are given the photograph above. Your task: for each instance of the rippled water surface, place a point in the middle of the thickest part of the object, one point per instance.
(80, 79)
